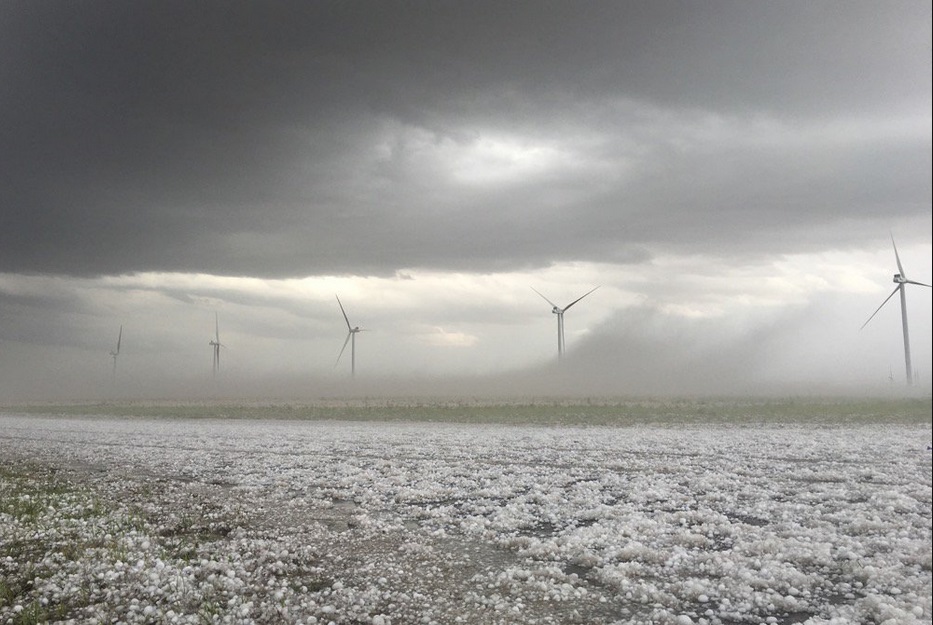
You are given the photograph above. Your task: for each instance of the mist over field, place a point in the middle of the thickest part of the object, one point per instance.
(632, 354)
(544, 385)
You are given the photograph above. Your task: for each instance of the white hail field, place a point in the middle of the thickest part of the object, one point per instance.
(211, 521)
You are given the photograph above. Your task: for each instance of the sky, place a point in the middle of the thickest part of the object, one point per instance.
(729, 174)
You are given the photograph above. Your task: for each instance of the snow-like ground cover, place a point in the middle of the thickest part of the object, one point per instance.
(261, 521)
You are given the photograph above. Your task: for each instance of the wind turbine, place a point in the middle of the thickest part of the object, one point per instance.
(216, 345)
(351, 338)
(116, 352)
(900, 279)
(557, 310)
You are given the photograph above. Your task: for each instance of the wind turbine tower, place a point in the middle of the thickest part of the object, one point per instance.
(216, 345)
(557, 310)
(900, 279)
(351, 338)
(116, 352)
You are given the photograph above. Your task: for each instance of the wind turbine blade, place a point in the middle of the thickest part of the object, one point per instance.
(544, 298)
(349, 334)
(345, 318)
(917, 283)
(897, 257)
(119, 338)
(216, 328)
(882, 306)
(579, 298)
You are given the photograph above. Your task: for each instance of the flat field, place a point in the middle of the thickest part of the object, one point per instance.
(400, 512)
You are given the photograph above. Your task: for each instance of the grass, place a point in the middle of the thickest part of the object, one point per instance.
(32, 499)
(69, 548)
(52, 525)
(594, 411)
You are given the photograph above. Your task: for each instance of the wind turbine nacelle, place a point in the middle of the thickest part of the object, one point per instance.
(899, 279)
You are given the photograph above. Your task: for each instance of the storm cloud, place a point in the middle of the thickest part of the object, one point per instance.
(374, 141)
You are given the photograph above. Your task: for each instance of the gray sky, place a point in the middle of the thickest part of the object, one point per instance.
(730, 173)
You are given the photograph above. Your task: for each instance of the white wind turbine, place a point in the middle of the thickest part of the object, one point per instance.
(216, 345)
(557, 310)
(900, 279)
(116, 352)
(351, 338)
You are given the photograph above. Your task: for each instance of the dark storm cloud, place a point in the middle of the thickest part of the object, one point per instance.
(284, 139)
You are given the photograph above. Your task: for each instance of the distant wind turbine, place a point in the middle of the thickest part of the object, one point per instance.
(900, 279)
(351, 338)
(216, 345)
(116, 352)
(557, 310)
